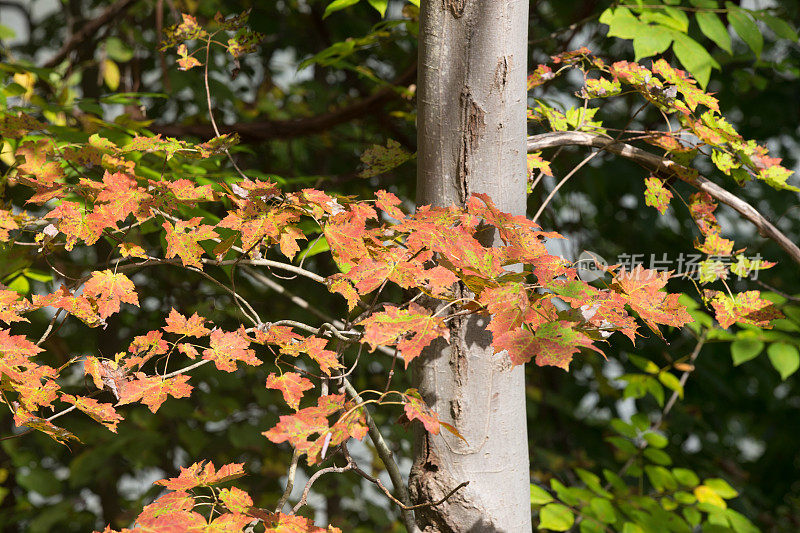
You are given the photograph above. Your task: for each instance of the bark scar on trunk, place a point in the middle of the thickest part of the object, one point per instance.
(456, 7)
(428, 482)
(501, 74)
(473, 124)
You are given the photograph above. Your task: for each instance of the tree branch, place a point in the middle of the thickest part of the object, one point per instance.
(88, 30)
(386, 455)
(264, 130)
(667, 168)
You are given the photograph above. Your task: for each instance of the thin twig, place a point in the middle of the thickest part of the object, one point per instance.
(312, 479)
(289, 481)
(386, 455)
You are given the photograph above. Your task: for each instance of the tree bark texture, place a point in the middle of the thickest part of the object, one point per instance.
(471, 96)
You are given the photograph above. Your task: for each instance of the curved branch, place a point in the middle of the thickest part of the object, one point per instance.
(667, 168)
(264, 130)
(88, 31)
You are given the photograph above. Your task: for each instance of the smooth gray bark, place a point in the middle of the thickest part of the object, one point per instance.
(471, 96)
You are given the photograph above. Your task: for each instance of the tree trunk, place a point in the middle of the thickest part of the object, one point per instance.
(471, 138)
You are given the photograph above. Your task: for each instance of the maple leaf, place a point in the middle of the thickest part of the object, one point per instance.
(129, 249)
(171, 513)
(78, 306)
(389, 204)
(23, 417)
(11, 305)
(7, 223)
(315, 348)
(74, 225)
(202, 474)
(715, 245)
(292, 385)
(36, 153)
(236, 500)
(102, 412)
(287, 523)
(108, 290)
(552, 344)
(153, 390)
(297, 428)
(641, 289)
(340, 284)
(145, 347)
(508, 305)
(410, 329)
(227, 347)
(745, 307)
(191, 327)
(183, 239)
(379, 159)
(535, 162)
(416, 409)
(656, 194)
(120, 196)
(33, 394)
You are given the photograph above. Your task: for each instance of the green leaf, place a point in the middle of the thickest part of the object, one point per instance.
(781, 28)
(743, 350)
(380, 6)
(655, 40)
(784, 358)
(694, 57)
(118, 50)
(740, 523)
(692, 516)
(661, 478)
(621, 23)
(556, 517)
(671, 382)
(713, 28)
(656, 440)
(338, 5)
(745, 27)
(721, 487)
(686, 477)
(592, 482)
(645, 364)
(603, 510)
(657, 456)
(623, 428)
(539, 496)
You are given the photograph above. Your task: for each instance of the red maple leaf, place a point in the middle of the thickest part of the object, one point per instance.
(299, 427)
(410, 329)
(315, 348)
(227, 347)
(144, 347)
(108, 289)
(202, 474)
(102, 412)
(236, 500)
(416, 409)
(183, 239)
(153, 390)
(292, 385)
(22, 417)
(11, 305)
(745, 307)
(656, 194)
(641, 289)
(191, 327)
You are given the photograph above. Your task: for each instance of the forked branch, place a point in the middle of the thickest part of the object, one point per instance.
(667, 169)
